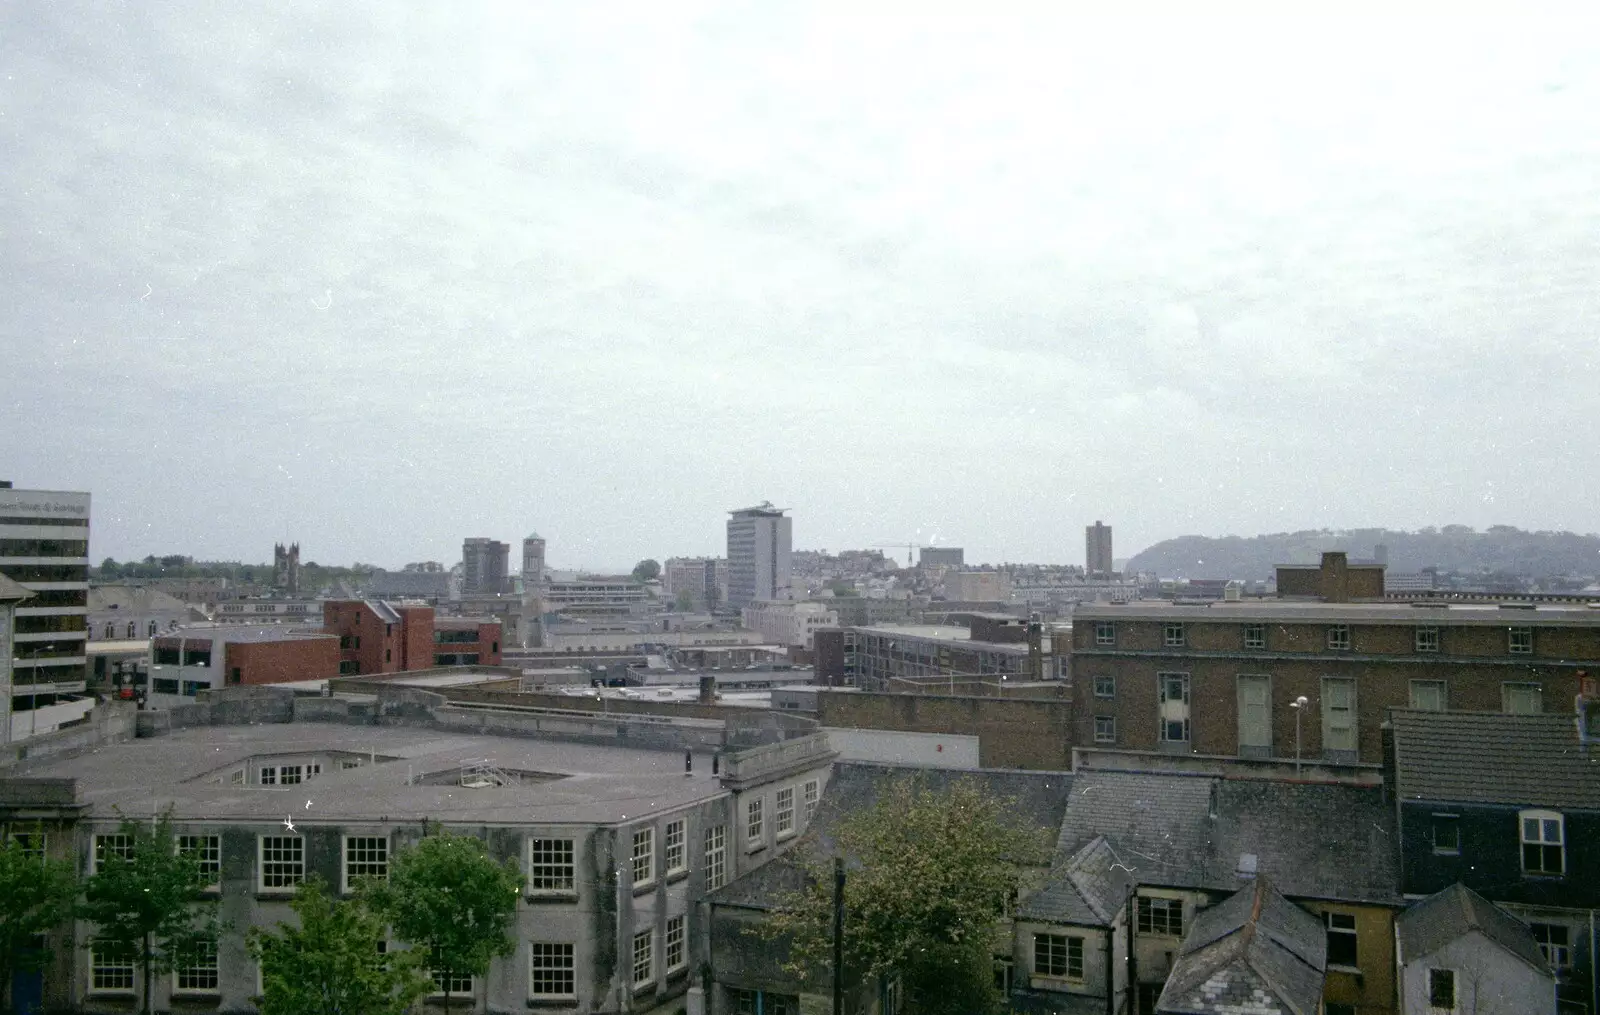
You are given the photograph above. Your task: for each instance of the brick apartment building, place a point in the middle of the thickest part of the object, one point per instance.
(1222, 678)
(194, 659)
(380, 637)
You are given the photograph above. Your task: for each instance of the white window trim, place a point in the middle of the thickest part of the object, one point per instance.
(572, 843)
(177, 842)
(1110, 681)
(1065, 977)
(94, 848)
(1541, 816)
(129, 991)
(715, 857)
(534, 995)
(682, 866)
(1106, 739)
(683, 944)
(778, 813)
(648, 856)
(1174, 635)
(812, 796)
(757, 807)
(344, 858)
(201, 991)
(261, 865)
(633, 959)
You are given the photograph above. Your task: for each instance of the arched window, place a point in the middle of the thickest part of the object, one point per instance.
(1543, 843)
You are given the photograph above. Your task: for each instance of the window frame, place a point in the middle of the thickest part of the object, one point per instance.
(1451, 821)
(1328, 711)
(812, 795)
(569, 973)
(1145, 918)
(642, 858)
(1519, 641)
(1105, 729)
(1449, 976)
(755, 824)
(642, 967)
(1442, 686)
(782, 828)
(1240, 682)
(289, 887)
(1105, 633)
(213, 967)
(1338, 637)
(1162, 721)
(100, 959)
(209, 847)
(680, 924)
(545, 864)
(1557, 954)
(1255, 637)
(1425, 639)
(1508, 688)
(675, 846)
(714, 848)
(346, 881)
(1048, 948)
(1542, 820)
(1347, 934)
(1105, 685)
(109, 842)
(1174, 635)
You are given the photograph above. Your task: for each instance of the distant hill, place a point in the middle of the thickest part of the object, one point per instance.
(1459, 548)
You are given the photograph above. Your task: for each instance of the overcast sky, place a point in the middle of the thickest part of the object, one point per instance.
(376, 276)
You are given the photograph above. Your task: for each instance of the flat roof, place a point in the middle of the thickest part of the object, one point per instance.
(593, 784)
(934, 632)
(1293, 611)
(242, 632)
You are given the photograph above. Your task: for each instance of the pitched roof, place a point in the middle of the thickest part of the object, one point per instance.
(1253, 951)
(1445, 916)
(133, 599)
(1484, 757)
(1313, 840)
(1086, 891)
(10, 591)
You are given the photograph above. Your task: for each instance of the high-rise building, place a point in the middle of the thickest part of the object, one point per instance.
(44, 547)
(1097, 549)
(532, 561)
(759, 541)
(485, 565)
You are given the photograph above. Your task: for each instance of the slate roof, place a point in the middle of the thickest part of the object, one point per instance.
(1040, 800)
(133, 599)
(1445, 916)
(1484, 757)
(1254, 951)
(1086, 891)
(1320, 841)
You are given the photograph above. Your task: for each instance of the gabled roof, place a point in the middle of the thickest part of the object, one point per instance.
(1487, 757)
(1255, 951)
(1445, 916)
(1313, 840)
(1087, 890)
(10, 591)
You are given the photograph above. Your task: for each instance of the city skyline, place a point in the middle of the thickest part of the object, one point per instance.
(378, 282)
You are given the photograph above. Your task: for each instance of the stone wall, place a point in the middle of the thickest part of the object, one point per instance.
(1029, 733)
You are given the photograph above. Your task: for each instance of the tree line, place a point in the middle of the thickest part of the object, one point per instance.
(148, 901)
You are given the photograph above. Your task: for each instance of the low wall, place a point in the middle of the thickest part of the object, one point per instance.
(108, 723)
(898, 747)
(1028, 733)
(1227, 767)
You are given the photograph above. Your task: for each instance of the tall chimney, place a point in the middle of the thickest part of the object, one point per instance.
(1336, 576)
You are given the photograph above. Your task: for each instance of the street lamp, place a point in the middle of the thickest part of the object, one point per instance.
(1299, 706)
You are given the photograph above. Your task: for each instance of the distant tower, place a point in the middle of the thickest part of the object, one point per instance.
(759, 541)
(286, 568)
(483, 565)
(1097, 549)
(1380, 554)
(532, 561)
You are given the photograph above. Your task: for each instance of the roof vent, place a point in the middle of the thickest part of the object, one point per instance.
(1247, 867)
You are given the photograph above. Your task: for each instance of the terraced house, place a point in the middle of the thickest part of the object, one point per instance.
(1314, 675)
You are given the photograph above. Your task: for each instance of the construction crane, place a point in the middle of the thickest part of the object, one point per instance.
(911, 549)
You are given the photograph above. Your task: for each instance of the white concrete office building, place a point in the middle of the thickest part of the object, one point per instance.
(759, 540)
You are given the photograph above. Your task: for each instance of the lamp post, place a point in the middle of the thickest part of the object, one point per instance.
(1299, 706)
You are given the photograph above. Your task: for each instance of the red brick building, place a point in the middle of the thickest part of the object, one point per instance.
(380, 637)
(194, 659)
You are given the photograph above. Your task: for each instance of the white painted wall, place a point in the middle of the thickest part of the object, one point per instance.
(1489, 981)
(930, 750)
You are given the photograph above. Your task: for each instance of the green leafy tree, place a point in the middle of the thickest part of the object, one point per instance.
(448, 899)
(930, 873)
(332, 964)
(36, 895)
(647, 570)
(146, 900)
